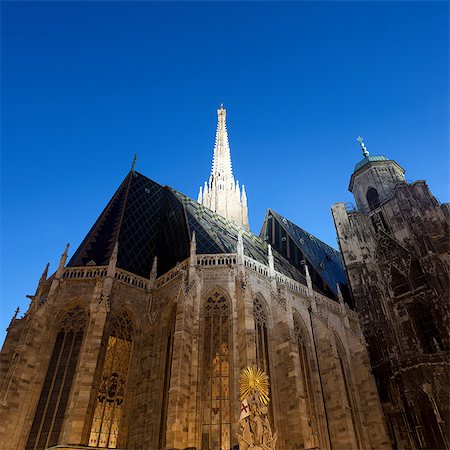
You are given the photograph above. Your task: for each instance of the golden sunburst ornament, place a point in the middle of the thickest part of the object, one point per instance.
(254, 382)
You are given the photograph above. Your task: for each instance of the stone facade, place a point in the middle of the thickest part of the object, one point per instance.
(322, 396)
(395, 246)
(139, 340)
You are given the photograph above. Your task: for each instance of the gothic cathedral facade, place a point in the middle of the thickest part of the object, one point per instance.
(138, 340)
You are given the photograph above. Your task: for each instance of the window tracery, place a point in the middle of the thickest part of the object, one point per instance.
(216, 422)
(52, 402)
(111, 393)
(262, 350)
(262, 343)
(306, 374)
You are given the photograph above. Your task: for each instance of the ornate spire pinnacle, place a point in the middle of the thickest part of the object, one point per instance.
(42, 280)
(58, 274)
(244, 209)
(113, 259)
(308, 279)
(240, 249)
(192, 257)
(62, 262)
(271, 262)
(222, 194)
(153, 273)
(44, 274)
(108, 282)
(221, 166)
(193, 250)
(363, 147)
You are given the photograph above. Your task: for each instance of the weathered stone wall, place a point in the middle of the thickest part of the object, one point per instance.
(397, 260)
(151, 309)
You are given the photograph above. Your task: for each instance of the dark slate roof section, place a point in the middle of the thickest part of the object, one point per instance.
(325, 260)
(150, 220)
(215, 234)
(147, 220)
(98, 244)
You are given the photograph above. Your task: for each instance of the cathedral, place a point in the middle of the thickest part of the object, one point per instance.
(138, 341)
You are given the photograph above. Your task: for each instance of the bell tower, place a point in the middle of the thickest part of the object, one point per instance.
(374, 179)
(395, 249)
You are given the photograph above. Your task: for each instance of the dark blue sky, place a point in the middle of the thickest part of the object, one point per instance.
(86, 85)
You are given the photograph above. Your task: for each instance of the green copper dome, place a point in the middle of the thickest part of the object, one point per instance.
(369, 159)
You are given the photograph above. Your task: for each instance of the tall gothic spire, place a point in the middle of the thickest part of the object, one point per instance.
(222, 193)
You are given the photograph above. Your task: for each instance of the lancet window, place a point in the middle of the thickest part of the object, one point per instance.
(262, 343)
(215, 409)
(400, 284)
(426, 330)
(416, 274)
(262, 347)
(109, 402)
(372, 198)
(52, 402)
(305, 370)
(167, 374)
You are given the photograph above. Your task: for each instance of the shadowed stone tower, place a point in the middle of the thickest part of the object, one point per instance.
(139, 340)
(395, 247)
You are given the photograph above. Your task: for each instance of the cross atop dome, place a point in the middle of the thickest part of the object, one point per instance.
(363, 147)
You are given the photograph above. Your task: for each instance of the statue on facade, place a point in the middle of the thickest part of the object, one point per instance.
(256, 432)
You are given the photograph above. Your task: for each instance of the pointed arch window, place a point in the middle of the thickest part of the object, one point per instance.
(399, 282)
(378, 347)
(416, 274)
(262, 344)
(372, 198)
(52, 402)
(305, 370)
(426, 330)
(109, 402)
(215, 408)
(262, 347)
(167, 375)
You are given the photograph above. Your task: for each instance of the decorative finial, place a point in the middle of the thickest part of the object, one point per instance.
(133, 165)
(221, 106)
(363, 147)
(16, 313)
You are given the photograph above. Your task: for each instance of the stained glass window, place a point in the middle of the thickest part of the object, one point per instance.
(52, 402)
(215, 408)
(305, 370)
(111, 393)
(262, 343)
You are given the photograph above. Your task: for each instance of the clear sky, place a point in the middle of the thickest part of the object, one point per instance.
(85, 85)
